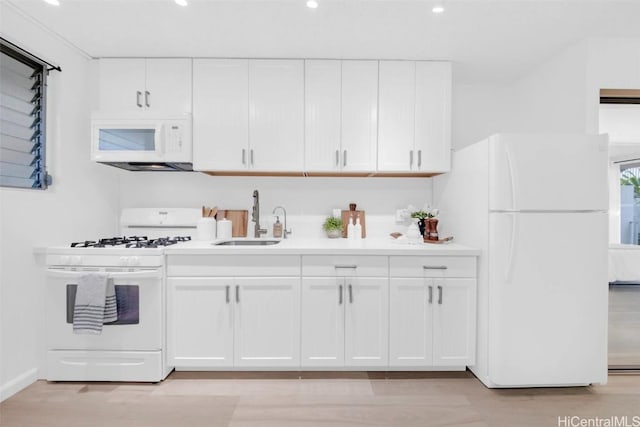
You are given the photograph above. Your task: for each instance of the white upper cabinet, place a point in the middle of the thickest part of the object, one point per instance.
(323, 81)
(396, 131)
(276, 118)
(359, 115)
(248, 115)
(433, 116)
(220, 114)
(154, 85)
(415, 116)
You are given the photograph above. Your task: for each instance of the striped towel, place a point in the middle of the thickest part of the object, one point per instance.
(95, 303)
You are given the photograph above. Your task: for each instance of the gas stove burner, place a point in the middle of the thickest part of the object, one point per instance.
(85, 244)
(131, 242)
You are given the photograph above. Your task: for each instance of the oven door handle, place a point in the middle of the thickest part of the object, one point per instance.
(141, 274)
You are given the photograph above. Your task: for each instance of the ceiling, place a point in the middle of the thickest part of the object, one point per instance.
(489, 40)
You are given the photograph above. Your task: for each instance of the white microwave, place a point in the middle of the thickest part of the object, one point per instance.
(141, 142)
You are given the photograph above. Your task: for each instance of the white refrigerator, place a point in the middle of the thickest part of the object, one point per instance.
(536, 205)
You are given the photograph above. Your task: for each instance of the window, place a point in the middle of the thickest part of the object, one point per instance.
(22, 118)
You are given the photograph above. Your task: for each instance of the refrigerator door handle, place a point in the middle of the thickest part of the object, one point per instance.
(512, 179)
(512, 246)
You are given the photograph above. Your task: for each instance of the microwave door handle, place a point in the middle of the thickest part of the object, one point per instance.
(144, 274)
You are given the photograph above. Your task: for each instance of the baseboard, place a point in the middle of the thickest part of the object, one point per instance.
(17, 384)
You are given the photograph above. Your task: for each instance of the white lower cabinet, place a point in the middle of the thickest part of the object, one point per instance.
(267, 322)
(344, 322)
(227, 322)
(432, 316)
(321, 312)
(345, 316)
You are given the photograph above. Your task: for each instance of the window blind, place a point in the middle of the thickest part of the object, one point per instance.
(22, 120)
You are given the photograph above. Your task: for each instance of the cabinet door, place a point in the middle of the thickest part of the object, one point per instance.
(220, 114)
(397, 116)
(454, 322)
(366, 321)
(267, 322)
(323, 322)
(410, 322)
(433, 116)
(276, 120)
(359, 115)
(200, 322)
(322, 80)
(168, 85)
(122, 85)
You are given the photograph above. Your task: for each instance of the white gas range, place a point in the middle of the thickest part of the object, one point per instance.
(133, 347)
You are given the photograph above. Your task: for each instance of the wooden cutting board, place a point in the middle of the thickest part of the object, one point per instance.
(238, 218)
(345, 222)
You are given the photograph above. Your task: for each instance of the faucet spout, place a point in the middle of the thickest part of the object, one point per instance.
(285, 232)
(255, 215)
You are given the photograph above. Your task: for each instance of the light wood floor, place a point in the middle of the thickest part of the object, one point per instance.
(316, 399)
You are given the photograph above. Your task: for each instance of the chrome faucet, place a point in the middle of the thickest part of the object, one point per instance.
(285, 232)
(255, 215)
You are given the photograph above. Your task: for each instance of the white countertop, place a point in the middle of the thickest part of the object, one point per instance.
(325, 246)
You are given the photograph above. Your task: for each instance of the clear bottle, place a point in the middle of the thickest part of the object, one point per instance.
(357, 229)
(277, 228)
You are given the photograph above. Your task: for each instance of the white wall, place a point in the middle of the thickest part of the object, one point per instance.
(81, 203)
(299, 195)
(479, 111)
(552, 97)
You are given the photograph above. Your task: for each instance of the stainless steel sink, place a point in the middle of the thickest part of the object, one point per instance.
(248, 243)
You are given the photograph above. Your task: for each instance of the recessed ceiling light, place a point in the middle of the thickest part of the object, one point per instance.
(181, 2)
(438, 8)
(53, 2)
(312, 4)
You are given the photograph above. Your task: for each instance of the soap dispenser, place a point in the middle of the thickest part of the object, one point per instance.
(357, 229)
(277, 228)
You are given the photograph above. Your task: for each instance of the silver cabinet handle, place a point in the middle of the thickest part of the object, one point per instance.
(244, 156)
(434, 267)
(340, 295)
(138, 99)
(350, 294)
(419, 158)
(337, 157)
(430, 294)
(344, 158)
(251, 156)
(238, 294)
(227, 294)
(344, 266)
(410, 158)
(439, 294)
(147, 98)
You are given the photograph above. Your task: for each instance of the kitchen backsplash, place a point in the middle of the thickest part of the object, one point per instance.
(299, 195)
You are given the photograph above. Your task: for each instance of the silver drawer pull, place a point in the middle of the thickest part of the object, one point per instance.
(227, 293)
(434, 267)
(340, 295)
(345, 266)
(430, 294)
(439, 294)
(350, 294)
(237, 294)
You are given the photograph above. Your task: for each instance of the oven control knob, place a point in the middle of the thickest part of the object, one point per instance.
(134, 260)
(76, 260)
(123, 260)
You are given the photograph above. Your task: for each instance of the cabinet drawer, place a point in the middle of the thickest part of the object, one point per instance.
(233, 265)
(432, 266)
(344, 265)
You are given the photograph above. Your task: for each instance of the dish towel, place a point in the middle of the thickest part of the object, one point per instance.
(95, 303)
